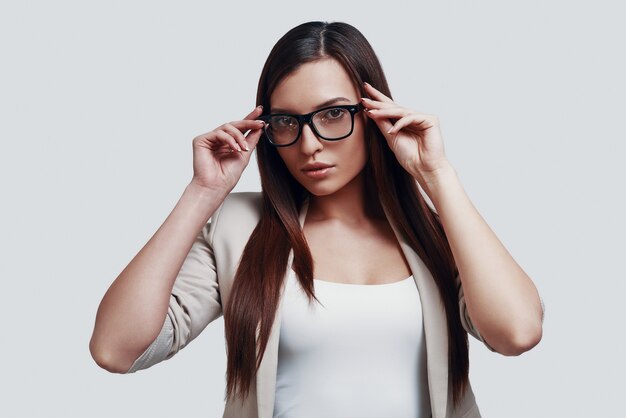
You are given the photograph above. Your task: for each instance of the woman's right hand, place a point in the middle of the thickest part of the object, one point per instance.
(220, 156)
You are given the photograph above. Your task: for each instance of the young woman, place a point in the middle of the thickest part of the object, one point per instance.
(343, 292)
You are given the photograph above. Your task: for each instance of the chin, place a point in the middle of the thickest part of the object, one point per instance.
(320, 189)
(326, 186)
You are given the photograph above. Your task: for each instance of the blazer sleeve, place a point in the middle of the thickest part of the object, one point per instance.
(194, 302)
(466, 321)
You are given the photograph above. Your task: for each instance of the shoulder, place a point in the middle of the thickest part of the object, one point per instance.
(242, 204)
(239, 212)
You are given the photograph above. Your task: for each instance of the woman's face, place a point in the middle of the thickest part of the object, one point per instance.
(307, 89)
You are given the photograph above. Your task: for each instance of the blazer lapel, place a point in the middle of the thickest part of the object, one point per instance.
(435, 331)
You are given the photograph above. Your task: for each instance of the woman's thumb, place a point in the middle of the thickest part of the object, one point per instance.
(253, 137)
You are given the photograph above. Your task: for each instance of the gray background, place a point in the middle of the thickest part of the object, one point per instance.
(99, 104)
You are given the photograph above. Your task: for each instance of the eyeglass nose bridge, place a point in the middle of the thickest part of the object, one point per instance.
(306, 119)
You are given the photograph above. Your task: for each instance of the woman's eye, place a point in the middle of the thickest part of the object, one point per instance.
(283, 122)
(335, 113)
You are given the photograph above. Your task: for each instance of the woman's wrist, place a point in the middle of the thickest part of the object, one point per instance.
(203, 192)
(203, 199)
(437, 181)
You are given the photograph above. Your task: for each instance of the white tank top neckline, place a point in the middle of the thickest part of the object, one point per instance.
(361, 284)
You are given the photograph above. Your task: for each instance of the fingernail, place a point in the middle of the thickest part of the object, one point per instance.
(365, 83)
(390, 129)
(259, 107)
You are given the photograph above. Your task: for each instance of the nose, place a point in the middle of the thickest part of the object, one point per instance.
(309, 142)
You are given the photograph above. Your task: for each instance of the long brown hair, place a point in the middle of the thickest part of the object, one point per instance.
(257, 284)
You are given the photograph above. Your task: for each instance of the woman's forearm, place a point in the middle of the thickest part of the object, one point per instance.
(501, 299)
(133, 309)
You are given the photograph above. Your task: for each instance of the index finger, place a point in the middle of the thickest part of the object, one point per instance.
(245, 124)
(255, 113)
(377, 95)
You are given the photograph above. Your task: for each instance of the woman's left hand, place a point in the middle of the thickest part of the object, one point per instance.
(415, 138)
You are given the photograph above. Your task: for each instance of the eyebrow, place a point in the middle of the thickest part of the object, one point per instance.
(319, 106)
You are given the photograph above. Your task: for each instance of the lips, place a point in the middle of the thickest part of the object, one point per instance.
(316, 166)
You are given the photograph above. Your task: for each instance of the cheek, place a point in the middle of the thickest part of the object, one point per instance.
(357, 152)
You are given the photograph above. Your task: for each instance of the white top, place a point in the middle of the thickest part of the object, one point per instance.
(362, 354)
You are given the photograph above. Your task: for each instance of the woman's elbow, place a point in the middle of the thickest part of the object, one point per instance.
(522, 341)
(107, 361)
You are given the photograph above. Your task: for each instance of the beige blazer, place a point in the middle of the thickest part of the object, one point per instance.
(204, 284)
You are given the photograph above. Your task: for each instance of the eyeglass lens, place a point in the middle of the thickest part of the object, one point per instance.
(330, 124)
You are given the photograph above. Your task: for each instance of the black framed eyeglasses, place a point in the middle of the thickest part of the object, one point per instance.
(331, 123)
